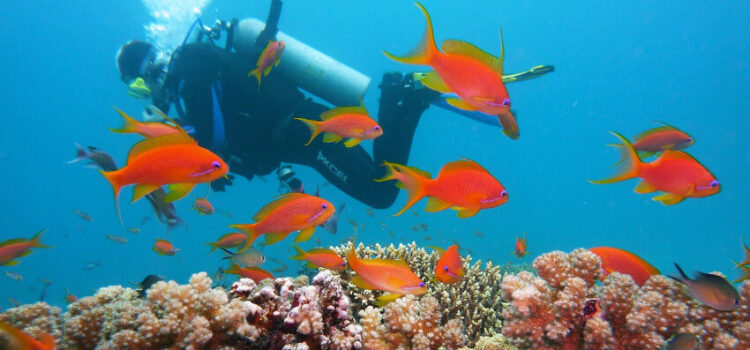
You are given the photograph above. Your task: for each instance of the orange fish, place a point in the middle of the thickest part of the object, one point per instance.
(320, 257)
(164, 247)
(464, 69)
(229, 240)
(203, 206)
(20, 340)
(658, 140)
(394, 277)
(625, 262)
(520, 247)
(353, 123)
(69, 298)
(252, 272)
(145, 129)
(174, 159)
(449, 268)
(288, 213)
(18, 248)
(269, 58)
(674, 172)
(462, 185)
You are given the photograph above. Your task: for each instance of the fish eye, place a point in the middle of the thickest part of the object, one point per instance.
(714, 183)
(216, 164)
(324, 206)
(377, 127)
(421, 284)
(504, 193)
(445, 268)
(506, 102)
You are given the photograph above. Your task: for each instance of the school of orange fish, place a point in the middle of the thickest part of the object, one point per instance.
(168, 156)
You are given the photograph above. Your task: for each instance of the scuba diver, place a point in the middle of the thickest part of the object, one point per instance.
(252, 128)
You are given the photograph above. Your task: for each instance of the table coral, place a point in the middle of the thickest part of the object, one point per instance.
(545, 311)
(410, 323)
(474, 300)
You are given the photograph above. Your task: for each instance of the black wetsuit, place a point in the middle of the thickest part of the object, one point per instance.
(260, 131)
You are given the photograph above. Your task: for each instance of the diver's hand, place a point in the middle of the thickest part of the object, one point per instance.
(219, 184)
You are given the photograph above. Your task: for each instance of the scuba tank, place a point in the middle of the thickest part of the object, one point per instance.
(308, 68)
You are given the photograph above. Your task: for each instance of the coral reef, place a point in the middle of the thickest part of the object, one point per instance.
(282, 314)
(495, 342)
(546, 311)
(410, 324)
(474, 300)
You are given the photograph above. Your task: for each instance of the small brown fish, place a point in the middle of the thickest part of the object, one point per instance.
(91, 266)
(117, 239)
(14, 302)
(69, 298)
(370, 212)
(683, 341)
(423, 226)
(96, 157)
(83, 215)
(479, 234)
(14, 276)
(415, 228)
(712, 290)
(134, 230)
(428, 238)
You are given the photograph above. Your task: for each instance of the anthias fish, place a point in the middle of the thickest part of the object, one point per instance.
(353, 123)
(269, 58)
(625, 262)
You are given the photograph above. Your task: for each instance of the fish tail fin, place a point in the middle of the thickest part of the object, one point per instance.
(233, 269)
(255, 73)
(300, 253)
(682, 278)
(114, 179)
(249, 230)
(81, 153)
(314, 127)
(425, 51)
(351, 257)
(36, 240)
(411, 179)
(130, 125)
(630, 164)
(214, 246)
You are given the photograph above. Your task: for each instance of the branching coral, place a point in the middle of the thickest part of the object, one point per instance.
(474, 300)
(410, 324)
(280, 314)
(546, 312)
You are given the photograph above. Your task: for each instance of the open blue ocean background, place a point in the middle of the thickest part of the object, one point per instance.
(619, 65)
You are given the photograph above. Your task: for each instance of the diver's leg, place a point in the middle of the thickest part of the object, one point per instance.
(401, 105)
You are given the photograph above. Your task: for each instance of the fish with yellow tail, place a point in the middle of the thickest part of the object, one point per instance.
(145, 129)
(18, 248)
(675, 173)
(288, 213)
(462, 185)
(320, 257)
(269, 58)
(394, 277)
(466, 70)
(174, 159)
(353, 123)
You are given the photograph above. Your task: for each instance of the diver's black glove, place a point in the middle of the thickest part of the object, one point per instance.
(219, 184)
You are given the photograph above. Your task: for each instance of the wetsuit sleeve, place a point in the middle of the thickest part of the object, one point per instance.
(352, 169)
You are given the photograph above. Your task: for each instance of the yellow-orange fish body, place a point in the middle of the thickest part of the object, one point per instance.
(290, 212)
(269, 58)
(449, 267)
(19, 247)
(353, 123)
(392, 276)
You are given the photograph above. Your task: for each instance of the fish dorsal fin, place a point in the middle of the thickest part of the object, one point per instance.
(344, 110)
(276, 203)
(153, 143)
(390, 262)
(464, 164)
(321, 251)
(438, 249)
(653, 131)
(462, 48)
(671, 154)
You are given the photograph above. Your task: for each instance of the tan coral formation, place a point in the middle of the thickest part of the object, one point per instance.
(410, 323)
(546, 312)
(475, 300)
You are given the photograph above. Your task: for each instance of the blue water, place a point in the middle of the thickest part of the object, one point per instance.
(619, 66)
